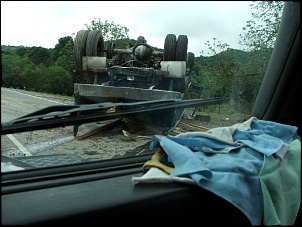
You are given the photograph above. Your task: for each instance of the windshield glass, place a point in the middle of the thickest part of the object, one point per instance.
(143, 64)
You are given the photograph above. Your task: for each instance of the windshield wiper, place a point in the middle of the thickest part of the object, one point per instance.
(66, 115)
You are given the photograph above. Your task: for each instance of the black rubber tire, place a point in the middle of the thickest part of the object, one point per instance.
(95, 44)
(169, 48)
(190, 62)
(181, 48)
(95, 47)
(79, 48)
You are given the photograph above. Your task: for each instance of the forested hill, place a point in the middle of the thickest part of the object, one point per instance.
(9, 49)
(241, 56)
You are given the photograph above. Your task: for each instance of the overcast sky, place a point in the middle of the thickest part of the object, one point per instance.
(43, 23)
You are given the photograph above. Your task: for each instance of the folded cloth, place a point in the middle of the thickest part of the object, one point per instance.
(156, 175)
(281, 186)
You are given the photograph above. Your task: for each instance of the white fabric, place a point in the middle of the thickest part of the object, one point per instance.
(155, 175)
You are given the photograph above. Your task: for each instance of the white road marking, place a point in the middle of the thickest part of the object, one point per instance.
(19, 145)
(33, 96)
(11, 137)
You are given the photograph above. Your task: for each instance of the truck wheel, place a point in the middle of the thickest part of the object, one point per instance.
(189, 62)
(181, 48)
(79, 48)
(95, 44)
(95, 47)
(169, 48)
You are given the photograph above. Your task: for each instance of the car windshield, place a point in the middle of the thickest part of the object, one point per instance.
(79, 88)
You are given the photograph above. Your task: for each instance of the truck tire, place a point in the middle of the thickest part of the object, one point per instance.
(95, 44)
(181, 48)
(190, 62)
(79, 48)
(169, 48)
(95, 47)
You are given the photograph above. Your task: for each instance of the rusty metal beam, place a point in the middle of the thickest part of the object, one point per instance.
(94, 131)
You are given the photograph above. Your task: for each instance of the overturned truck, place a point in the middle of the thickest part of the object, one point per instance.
(137, 73)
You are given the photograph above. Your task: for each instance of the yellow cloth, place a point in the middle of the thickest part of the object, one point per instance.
(154, 162)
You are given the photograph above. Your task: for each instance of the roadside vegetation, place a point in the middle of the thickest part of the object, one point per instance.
(220, 70)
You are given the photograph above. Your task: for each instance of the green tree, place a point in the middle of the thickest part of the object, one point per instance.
(53, 79)
(65, 56)
(260, 33)
(62, 42)
(227, 73)
(219, 69)
(111, 32)
(39, 55)
(13, 67)
(8, 63)
(58, 81)
(38, 76)
(21, 51)
(258, 38)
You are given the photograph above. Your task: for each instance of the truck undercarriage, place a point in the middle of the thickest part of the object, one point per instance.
(137, 73)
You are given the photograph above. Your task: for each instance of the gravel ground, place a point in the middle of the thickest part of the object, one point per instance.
(213, 120)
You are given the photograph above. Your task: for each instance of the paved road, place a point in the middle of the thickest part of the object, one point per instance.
(103, 145)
